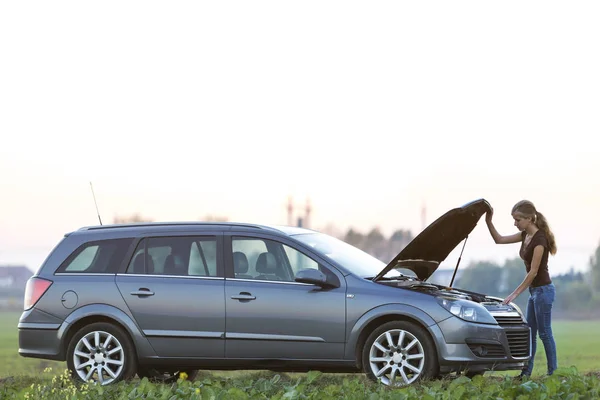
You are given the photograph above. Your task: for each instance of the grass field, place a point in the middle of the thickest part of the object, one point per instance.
(578, 345)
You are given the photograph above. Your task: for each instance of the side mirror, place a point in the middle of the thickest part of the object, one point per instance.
(312, 277)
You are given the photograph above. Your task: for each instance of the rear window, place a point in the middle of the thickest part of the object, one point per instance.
(101, 256)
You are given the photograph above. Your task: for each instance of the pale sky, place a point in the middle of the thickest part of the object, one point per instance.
(178, 110)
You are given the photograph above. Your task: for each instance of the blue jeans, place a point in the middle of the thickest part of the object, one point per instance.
(539, 312)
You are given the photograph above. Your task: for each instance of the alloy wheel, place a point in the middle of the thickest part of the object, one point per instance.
(99, 357)
(397, 357)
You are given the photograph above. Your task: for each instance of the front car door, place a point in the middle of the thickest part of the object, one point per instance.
(268, 314)
(174, 288)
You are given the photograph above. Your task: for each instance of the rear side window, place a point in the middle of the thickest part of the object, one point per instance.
(101, 256)
(175, 256)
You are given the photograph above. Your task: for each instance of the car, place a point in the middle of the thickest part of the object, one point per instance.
(158, 299)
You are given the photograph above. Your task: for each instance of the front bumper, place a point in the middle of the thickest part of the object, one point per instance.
(482, 347)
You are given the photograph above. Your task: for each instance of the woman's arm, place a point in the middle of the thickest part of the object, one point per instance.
(538, 252)
(498, 238)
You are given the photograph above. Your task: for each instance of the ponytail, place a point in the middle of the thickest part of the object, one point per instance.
(542, 224)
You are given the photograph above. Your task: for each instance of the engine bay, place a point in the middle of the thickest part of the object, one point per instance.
(412, 283)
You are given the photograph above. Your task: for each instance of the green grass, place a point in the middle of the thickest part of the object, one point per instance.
(564, 384)
(578, 344)
(11, 363)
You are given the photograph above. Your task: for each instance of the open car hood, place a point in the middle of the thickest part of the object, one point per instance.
(425, 252)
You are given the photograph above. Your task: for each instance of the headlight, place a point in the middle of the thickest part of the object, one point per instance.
(467, 310)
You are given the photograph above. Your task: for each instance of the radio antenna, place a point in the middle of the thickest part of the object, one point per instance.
(94, 196)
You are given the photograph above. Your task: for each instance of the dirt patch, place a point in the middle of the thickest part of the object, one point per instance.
(7, 380)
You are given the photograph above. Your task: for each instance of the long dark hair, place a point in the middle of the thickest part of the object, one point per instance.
(527, 209)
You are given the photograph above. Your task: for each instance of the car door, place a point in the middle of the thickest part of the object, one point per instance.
(174, 288)
(268, 314)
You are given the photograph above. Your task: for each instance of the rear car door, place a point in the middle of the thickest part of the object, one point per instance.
(174, 288)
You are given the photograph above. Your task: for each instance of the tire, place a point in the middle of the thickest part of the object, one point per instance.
(101, 352)
(160, 376)
(400, 365)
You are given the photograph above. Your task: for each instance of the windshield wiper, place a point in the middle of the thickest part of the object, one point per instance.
(394, 278)
(423, 285)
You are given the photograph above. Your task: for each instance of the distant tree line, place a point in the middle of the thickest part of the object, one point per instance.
(377, 245)
(136, 217)
(133, 218)
(577, 293)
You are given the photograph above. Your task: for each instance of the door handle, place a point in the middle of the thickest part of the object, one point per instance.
(243, 296)
(142, 292)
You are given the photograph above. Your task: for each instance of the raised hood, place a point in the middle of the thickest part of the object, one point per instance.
(425, 252)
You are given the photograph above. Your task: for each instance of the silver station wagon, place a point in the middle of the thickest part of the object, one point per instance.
(158, 299)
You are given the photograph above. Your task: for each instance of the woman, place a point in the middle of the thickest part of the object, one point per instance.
(537, 242)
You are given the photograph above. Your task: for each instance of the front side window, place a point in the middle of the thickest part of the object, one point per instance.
(299, 261)
(175, 256)
(264, 259)
(101, 256)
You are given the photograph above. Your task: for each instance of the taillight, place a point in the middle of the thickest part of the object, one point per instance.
(35, 289)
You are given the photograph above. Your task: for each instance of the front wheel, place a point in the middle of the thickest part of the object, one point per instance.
(399, 353)
(101, 353)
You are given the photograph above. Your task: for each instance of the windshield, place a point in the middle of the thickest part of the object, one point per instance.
(353, 259)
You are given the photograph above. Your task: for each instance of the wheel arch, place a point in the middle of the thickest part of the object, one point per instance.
(376, 317)
(103, 313)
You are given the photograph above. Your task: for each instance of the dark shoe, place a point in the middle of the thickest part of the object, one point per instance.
(522, 376)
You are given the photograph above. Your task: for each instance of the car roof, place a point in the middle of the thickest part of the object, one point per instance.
(191, 225)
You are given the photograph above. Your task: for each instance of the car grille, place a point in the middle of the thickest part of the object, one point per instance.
(504, 320)
(518, 339)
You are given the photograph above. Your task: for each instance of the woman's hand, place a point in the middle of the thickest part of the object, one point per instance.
(510, 298)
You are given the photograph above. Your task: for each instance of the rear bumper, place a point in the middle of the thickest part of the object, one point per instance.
(40, 341)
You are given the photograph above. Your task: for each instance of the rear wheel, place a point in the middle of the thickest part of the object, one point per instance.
(157, 375)
(102, 353)
(399, 353)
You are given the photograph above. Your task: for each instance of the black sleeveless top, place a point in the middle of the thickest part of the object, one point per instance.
(526, 253)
